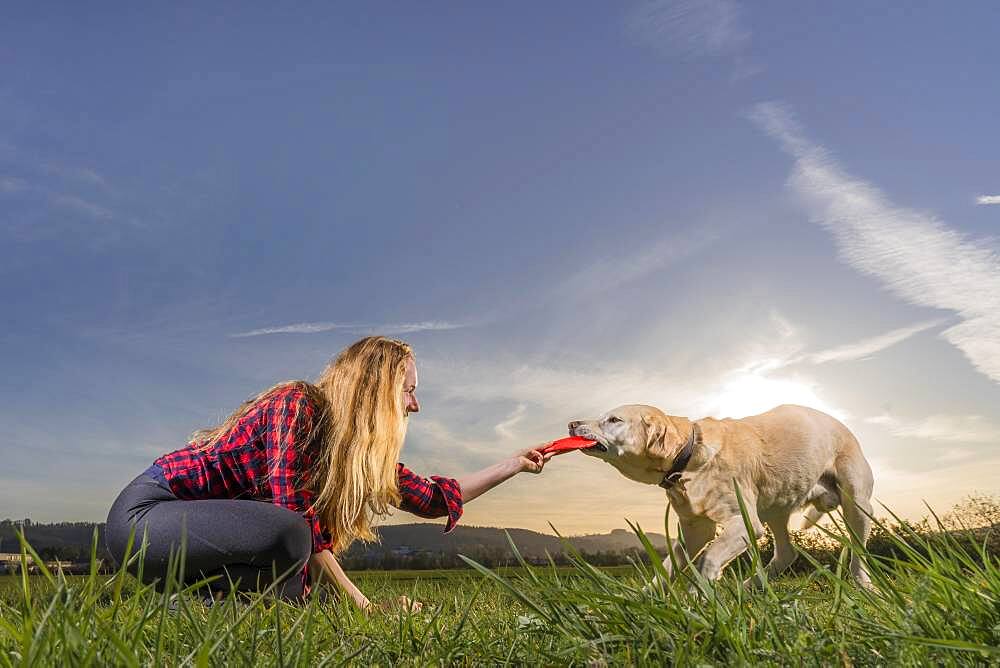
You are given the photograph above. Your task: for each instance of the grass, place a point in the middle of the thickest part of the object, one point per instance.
(937, 603)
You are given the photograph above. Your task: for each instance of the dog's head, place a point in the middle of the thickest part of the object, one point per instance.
(638, 440)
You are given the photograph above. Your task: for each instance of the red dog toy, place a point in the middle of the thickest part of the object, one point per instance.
(567, 444)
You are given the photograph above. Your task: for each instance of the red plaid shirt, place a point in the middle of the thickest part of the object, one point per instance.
(260, 458)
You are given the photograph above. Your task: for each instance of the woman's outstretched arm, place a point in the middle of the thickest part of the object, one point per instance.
(530, 460)
(327, 568)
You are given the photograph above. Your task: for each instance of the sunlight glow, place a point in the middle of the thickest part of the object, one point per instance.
(749, 392)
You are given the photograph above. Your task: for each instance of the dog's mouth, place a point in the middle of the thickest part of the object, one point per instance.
(581, 431)
(596, 447)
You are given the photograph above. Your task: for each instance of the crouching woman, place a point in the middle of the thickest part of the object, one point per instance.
(323, 457)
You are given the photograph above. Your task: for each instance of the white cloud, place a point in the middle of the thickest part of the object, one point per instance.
(988, 199)
(573, 393)
(868, 347)
(916, 257)
(890, 481)
(566, 392)
(81, 206)
(786, 349)
(12, 185)
(690, 28)
(947, 428)
(908, 493)
(956, 455)
(503, 429)
(432, 444)
(81, 174)
(605, 271)
(53, 199)
(407, 328)
(298, 328)
(317, 327)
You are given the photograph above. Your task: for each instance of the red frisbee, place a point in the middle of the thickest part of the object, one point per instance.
(567, 444)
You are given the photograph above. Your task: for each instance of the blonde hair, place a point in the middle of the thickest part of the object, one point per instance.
(356, 435)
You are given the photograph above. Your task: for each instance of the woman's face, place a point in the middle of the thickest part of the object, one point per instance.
(410, 403)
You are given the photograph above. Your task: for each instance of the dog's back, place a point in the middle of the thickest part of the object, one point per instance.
(819, 451)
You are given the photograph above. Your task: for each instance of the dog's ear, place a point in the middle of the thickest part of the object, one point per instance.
(656, 432)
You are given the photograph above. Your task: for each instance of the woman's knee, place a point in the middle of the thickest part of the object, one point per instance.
(292, 543)
(117, 531)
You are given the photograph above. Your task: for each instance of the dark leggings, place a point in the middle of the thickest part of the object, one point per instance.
(235, 538)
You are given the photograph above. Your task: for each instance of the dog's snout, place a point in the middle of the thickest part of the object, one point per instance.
(573, 425)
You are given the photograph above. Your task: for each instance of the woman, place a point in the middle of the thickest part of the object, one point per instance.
(324, 455)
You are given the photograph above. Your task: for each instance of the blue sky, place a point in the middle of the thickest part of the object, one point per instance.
(711, 207)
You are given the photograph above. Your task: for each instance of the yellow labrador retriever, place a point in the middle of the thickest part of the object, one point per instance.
(786, 459)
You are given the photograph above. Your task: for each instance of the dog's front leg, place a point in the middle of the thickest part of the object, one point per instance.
(696, 533)
(731, 543)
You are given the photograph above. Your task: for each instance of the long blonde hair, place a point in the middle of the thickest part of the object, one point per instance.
(356, 434)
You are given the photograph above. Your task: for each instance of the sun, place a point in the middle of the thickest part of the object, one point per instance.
(751, 392)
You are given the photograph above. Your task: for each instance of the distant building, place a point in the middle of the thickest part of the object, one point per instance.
(10, 562)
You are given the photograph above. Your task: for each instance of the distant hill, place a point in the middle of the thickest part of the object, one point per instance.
(71, 540)
(468, 540)
(63, 540)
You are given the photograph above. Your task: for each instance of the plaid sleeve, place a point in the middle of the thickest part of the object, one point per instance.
(289, 417)
(430, 497)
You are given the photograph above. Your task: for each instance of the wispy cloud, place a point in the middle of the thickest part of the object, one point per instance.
(558, 390)
(427, 326)
(787, 348)
(504, 428)
(81, 174)
(916, 256)
(689, 28)
(988, 199)
(868, 347)
(317, 327)
(10, 185)
(606, 271)
(949, 428)
(52, 199)
(80, 206)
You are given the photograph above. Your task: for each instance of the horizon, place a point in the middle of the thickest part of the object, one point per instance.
(399, 525)
(711, 207)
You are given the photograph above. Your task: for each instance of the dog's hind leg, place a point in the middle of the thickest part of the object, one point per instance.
(855, 478)
(857, 515)
(784, 553)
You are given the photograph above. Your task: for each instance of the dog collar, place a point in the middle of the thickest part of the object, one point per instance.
(681, 460)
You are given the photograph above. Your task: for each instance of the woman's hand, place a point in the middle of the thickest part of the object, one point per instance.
(399, 604)
(531, 460)
(324, 567)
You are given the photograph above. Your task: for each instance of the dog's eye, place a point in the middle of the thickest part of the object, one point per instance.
(614, 419)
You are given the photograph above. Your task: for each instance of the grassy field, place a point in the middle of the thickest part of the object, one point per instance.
(937, 603)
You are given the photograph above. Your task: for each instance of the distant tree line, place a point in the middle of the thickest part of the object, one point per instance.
(974, 524)
(491, 557)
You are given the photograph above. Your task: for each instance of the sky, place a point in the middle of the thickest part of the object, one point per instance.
(710, 207)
